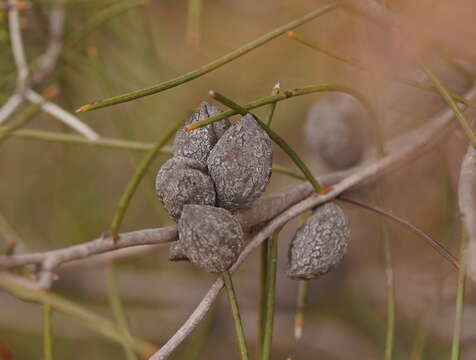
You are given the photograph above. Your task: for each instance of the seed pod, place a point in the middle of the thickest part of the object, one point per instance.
(320, 244)
(176, 252)
(183, 181)
(210, 237)
(197, 144)
(240, 164)
(335, 129)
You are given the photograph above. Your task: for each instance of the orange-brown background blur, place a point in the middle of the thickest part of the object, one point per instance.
(56, 195)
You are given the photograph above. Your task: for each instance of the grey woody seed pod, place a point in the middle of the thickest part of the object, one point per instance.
(240, 164)
(335, 128)
(198, 143)
(320, 244)
(176, 252)
(210, 237)
(183, 181)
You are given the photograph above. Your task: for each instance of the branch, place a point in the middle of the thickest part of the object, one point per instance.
(47, 61)
(20, 62)
(10, 106)
(17, 46)
(263, 209)
(432, 242)
(416, 143)
(62, 115)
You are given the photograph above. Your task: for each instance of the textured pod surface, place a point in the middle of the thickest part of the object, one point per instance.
(198, 143)
(319, 244)
(335, 130)
(210, 237)
(183, 181)
(176, 252)
(240, 164)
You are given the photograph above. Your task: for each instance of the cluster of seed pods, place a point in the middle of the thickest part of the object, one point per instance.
(215, 170)
(220, 168)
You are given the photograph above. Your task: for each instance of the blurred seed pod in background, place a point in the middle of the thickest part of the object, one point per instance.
(198, 143)
(335, 129)
(210, 237)
(240, 164)
(320, 243)
(183, 181)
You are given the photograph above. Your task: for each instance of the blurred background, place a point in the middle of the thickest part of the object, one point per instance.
(54, 195)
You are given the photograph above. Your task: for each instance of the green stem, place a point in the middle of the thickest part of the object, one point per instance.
(115, 144)
(390, 330)
(102, 142)
(235, 311)
(358, 64)
(451, 103)
(124, 124)
(303, 286)
(263, 288)
(118, 309)
(60, 304)
(27, 115)
(274, 136)
(47, 333)
(135, 180)
(456, 343)
(211, 66)
(265, 260)
(328, 51)
(283, 95)
(270, 296)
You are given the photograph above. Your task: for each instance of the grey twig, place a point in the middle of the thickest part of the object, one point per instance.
(47, 61)
(417, 142)
(9, 107)
(263, 209)
(46, 64)
(61, 114)
(17, 46)
(432, 242)
(20, 62)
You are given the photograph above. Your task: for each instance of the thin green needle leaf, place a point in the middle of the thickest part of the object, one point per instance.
(303, 286)
(47, 332)
(119, 144)
(235, 311)
(287, 94)
(211, 66)
(270, 296)
(135, 180)
(60, 304)
(274, 136)
(118, 309)
(451, 103)
(458, 325)
(27, 115)
(358, 64)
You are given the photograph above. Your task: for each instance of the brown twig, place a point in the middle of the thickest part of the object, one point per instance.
(432, 242)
